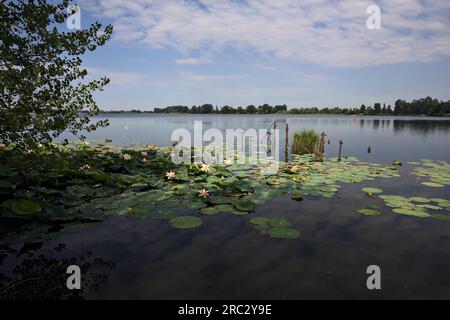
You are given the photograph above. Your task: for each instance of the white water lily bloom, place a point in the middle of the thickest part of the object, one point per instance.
(204, 168)
(203, 193)
(170, 175)
(144, 153)
(85, 167)
(126, 156)
(228, 162)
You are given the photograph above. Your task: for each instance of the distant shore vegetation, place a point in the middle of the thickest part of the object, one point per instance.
(425, 106)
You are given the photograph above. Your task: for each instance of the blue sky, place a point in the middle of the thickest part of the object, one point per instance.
(301, 53)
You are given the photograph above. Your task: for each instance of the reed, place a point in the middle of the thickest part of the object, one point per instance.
(305, 142)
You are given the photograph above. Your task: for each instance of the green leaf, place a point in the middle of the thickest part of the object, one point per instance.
(284, 233)
(186, 222)
(22, 207)
(243, 205)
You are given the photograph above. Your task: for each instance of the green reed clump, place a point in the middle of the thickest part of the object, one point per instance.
(305, 142)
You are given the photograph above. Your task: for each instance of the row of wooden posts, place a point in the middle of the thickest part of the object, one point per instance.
(321, 147)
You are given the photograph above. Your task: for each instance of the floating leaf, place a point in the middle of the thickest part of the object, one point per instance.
(419, 199)
(218, 200)
(185, 222)
(21, 207)
(433, 184)
(260, 220)
(196, 205)
(372, 190)
(369, 212)
(243, 205)
(411, 212)
(296, 195)
(279, 223)
(284, 233)
(210, 210)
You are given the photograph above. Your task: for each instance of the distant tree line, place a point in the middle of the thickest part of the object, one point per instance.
(425, 106)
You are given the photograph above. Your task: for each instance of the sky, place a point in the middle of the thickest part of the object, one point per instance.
(303, 53)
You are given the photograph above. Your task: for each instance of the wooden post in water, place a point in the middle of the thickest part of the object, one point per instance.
(274, 137)
(286, 143)
(340, 150)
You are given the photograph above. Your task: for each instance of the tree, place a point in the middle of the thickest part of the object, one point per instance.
(42, 88)
(251, 109)
(362, 109)
(377, 108)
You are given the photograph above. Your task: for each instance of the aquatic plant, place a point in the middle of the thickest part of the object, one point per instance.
(47, 190)
(305, 142)
(437, 173)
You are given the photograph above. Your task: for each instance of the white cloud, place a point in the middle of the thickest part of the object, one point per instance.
(116, 77)
(324, 32)
(192, 61)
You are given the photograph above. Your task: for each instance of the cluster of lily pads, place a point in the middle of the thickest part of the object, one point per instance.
(275, 227)
(437, 173)
(416, 206)
(67, 187)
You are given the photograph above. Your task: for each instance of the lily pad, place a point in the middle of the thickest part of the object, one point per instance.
(433, 184)
(260, 220)
(218, 200)
(369, 212)
(210, 210)
(243, 205)
(196, 205)
(21, 207)
(284, 233)
(411, 212)
(296, 195)
(186, 222)
(419, 199)
(372, 190)
(279, 223)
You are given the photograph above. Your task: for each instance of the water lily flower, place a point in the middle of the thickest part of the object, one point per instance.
(204, 168)
(203, 193)
(40, 145)
(2, 146)
(228, 162)
(85, 167)
(144, 153)
(144, 160)
(126, 156)
(152, 147)
(170, 175)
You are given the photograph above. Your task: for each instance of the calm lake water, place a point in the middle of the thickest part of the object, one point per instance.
(390, 138)
(226, 258)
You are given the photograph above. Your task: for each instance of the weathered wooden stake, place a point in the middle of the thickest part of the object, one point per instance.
(274, 137)
(286, 143)
(340, 150)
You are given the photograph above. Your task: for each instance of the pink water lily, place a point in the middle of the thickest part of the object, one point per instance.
(170, 175)
(203, 193)
(2, 146)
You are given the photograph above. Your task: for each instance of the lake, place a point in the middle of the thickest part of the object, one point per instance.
(390, 138)
(226, 258)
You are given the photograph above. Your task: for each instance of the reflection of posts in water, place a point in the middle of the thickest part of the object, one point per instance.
(340, 150)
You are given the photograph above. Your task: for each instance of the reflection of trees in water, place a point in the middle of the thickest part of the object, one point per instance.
(44, 276)
(422, 126)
